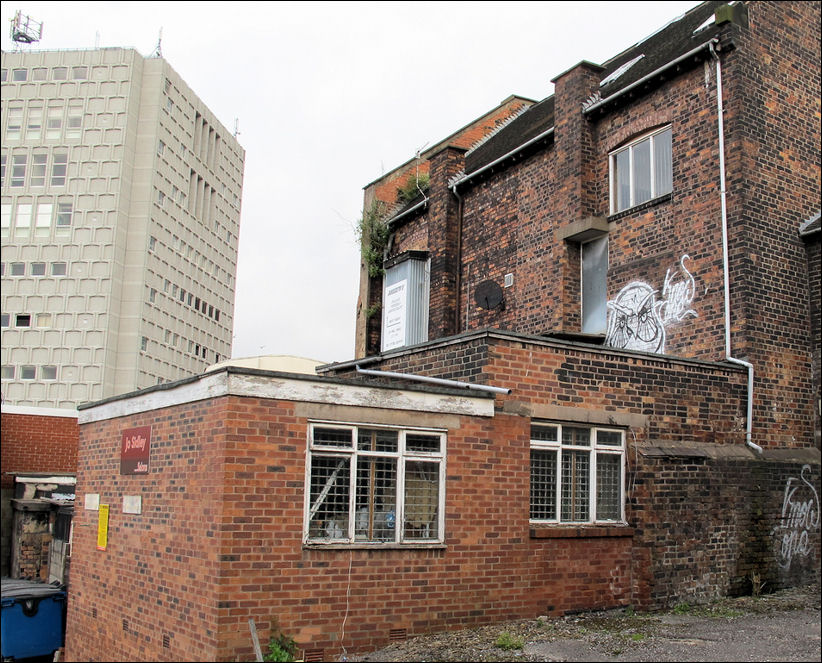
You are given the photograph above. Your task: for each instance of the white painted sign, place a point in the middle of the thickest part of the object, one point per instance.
(394, 320)
(92, 501)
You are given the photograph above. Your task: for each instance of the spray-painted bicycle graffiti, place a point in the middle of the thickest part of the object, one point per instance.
(637, 320)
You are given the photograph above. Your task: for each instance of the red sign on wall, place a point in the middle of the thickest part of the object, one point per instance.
(134, 450)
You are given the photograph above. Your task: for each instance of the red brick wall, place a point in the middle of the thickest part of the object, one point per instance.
(36, 443)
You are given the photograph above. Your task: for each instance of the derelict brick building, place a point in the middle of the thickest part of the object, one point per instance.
(588, 377)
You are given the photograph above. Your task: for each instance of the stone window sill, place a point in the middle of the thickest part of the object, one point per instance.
(642, 207)
(580, 531)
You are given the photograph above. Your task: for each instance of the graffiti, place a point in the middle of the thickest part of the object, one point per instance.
(799, 518)
(637, 320)
(678, 293)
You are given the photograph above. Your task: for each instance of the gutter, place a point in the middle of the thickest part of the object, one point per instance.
(725, 265)
(470, 176)
(430, 380)
(419, 205)
(647, 77)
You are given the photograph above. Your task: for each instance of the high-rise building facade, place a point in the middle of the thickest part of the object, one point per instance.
(121, 197)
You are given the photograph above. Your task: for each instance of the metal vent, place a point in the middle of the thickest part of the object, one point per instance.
(396, 634)
(313, 655)
(166, 641)
(509, 280)
(94, 613)
(125, 625)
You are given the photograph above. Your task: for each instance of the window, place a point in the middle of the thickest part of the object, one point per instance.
(64, 214)
(48, 372)
(18, 269)
(594, 259)
(58, 169)
(22, 320)
(7, 372)
(374, 485)
(38, 269)
(42, 223)
(3, 158)
(576, 474)
(144, 343)
(35, 124)
(54, 123)
(22, 222)
(19, 74)
(39, 74)
(27, 372)
(74, 121)
(5, 220)
(44, 319)
(4, 319)
(38, 169)
(18, 169)
(641, 171)
(58, 269)
(60, 73)
(14, 123)
(79, 73)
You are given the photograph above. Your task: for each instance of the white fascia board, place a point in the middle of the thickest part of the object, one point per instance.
(38, 411)
(284, 388)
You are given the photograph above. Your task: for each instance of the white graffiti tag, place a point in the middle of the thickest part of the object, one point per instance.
(637, 321)
(799, 518)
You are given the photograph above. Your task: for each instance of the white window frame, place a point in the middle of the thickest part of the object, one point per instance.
(630, 148)
(351, 454)
(594, 448)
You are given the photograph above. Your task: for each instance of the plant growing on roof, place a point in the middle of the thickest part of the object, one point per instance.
(372, 233)
(415, 185)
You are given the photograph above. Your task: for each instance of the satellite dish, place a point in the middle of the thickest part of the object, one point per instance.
(488, 295)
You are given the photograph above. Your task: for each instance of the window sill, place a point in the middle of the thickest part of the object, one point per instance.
(580, 531)
(641, 207)
(374, 546)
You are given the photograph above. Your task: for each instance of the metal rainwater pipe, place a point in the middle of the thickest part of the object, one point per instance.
(725, 263)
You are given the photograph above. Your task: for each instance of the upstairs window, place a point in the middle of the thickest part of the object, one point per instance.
(576, 474)
(641, 171)
(374, 485)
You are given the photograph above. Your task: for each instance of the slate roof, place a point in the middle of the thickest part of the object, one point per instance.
(665, 45)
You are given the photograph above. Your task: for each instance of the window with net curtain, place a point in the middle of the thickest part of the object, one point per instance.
(641, 170)
(374, 485)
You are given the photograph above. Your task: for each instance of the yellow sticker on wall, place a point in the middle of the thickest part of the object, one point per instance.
(102, 527)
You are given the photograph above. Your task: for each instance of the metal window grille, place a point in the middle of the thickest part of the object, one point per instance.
(575, 485)
(329, 497)
(543, 484)
(609, 486)
(421, 500)
(376, 507)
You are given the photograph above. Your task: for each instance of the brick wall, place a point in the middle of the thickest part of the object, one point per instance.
(219, 540)
(38, 443)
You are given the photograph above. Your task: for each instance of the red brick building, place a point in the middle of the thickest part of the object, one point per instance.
(589, 378)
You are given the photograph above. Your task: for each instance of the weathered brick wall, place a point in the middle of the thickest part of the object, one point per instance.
(815, 305)
(35, 443)
(711, 527)
(772, 102)
(157, 582)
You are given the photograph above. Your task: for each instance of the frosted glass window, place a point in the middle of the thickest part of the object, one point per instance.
(594, 285)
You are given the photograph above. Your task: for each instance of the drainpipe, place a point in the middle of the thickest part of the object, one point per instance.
(430, 380)
(725, 268)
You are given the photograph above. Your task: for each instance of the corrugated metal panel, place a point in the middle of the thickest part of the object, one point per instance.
(405, 309)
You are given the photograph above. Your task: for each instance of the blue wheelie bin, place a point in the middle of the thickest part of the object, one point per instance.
(33, 618)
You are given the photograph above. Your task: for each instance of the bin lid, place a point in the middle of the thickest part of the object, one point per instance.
(21, 588)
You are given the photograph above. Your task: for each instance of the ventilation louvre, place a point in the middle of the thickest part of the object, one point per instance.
(397, 634)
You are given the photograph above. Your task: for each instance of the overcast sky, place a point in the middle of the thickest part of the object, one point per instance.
(328, 97)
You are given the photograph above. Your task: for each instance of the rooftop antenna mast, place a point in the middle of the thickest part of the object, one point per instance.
(158, 52)
(236, 127)
(25, 30)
